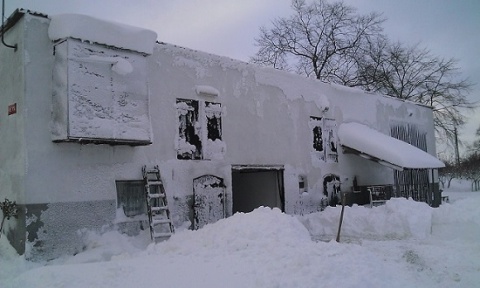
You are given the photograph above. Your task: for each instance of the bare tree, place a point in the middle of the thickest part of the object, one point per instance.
(333, 43)
(470, 167)
(448, 173)
(475, 146)
(467, 168)
(320, 40)
(413, 74)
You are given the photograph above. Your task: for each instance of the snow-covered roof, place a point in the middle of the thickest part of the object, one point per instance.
(294, 86)
(387, 150)
(91, 29)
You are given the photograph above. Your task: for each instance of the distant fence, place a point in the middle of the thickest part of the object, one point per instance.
(417, 191)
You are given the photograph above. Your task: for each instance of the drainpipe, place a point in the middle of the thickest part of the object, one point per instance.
(3, 32)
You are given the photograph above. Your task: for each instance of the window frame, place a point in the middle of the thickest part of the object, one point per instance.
(205, 134)
(139, 205)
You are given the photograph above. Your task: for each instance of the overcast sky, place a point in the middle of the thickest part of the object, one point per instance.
(449, 28)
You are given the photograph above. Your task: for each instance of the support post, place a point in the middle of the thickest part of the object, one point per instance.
(341, 217)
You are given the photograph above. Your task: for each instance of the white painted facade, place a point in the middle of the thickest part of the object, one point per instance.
(65, 184)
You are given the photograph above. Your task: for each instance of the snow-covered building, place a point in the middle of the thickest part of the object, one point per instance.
(85, 104)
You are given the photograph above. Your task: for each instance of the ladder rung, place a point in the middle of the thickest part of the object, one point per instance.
(159, 208)
(153, 182)
(158, 235)
(160, 221)
(152, 179)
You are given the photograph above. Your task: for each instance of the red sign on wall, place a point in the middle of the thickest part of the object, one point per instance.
(12, 109)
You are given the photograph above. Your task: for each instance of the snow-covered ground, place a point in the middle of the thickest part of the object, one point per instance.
(400, 244)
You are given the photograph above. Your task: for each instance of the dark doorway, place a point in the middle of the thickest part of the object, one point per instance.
(253, 187)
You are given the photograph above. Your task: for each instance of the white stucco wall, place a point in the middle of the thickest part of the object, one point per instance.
(13, 156)
(265, 123)
(12, 127)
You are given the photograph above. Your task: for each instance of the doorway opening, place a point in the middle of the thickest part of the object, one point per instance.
(255, 186)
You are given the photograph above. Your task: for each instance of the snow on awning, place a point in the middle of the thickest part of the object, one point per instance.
(91, 29)
(370, 144)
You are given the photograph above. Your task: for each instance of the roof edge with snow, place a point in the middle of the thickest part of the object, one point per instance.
(386, 150)
(91, 29)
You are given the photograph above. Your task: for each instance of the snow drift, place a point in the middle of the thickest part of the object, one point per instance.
(408, 245)
(398, 219)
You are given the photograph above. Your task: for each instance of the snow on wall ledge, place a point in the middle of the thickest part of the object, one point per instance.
(88, 28)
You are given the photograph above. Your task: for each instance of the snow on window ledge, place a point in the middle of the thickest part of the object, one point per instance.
(206, 90)
(87, 28)
(120, 65)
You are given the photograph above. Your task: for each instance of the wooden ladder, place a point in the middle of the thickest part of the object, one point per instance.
(161, 226)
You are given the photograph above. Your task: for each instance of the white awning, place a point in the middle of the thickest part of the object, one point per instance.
(371, 144)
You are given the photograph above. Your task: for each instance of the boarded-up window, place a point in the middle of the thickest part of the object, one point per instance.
(131, 197)
(209, 200)
(100, 95)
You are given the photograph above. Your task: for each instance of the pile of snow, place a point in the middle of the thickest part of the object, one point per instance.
(253, 231)
(267, 248)
(11, 264)
(458, 221)
(399, 218)
(91, 29)
(105, 247)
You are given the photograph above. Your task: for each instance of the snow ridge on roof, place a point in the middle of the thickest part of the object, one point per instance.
(91, 29)
(294, 86)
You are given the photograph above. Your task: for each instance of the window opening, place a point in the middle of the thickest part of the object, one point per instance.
(190, 143)
(213, 112)
(199, 130)
(316, 124)
(330, 132)
(131, 197)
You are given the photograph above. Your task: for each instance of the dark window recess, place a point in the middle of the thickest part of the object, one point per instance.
(214, 121)
(301, 185)
(187, 119)
(332, 142)
(317, 139)
(131, 197)
(317, 136)
(331, 190)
